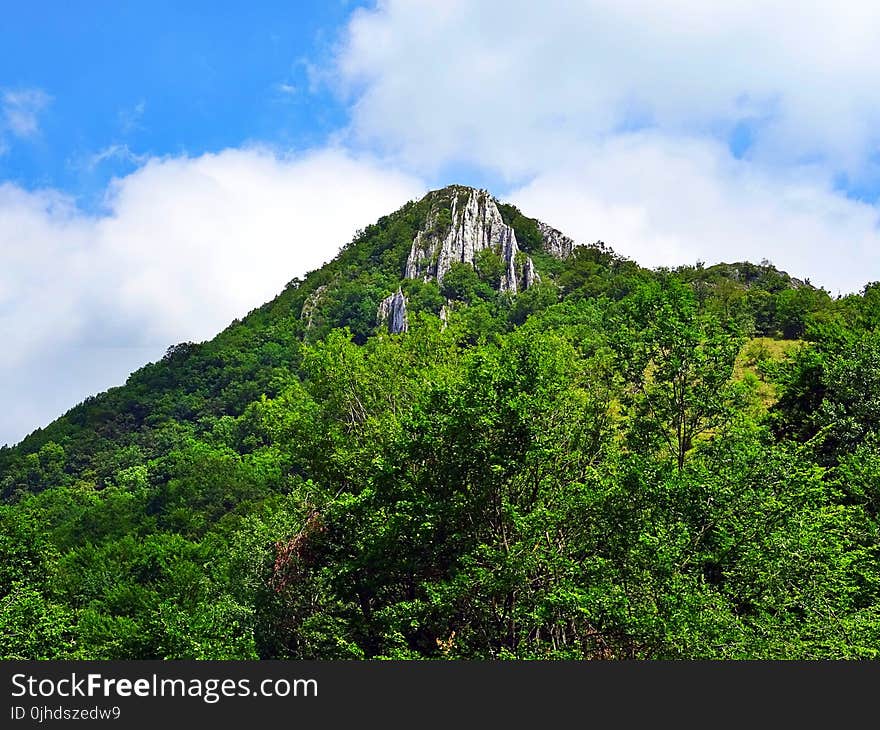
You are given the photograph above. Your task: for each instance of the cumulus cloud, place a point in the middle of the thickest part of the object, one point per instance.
(489, 81)
(612, 118)
(671, 202)
(186, 245)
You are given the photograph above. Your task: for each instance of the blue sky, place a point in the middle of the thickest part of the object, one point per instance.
(129, 80)
(166, 167)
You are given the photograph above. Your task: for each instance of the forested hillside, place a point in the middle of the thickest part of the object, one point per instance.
(466, 437)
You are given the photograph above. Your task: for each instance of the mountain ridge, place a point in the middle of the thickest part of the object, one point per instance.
(415, 219)
(612, 462)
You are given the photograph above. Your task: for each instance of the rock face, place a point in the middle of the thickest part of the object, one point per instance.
(311, 304)
(555, 242)
(530, 276)
(462, 222)
(392, 311)
(460, 225)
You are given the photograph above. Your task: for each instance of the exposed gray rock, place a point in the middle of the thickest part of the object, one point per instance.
(470, 224)
(555, 242)
(530, 276)
(310, 304)
(392, 312)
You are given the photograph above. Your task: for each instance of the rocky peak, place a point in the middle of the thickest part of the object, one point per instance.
(555, 242)
(462, 222)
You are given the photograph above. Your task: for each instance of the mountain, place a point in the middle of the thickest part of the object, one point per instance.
(468, 436)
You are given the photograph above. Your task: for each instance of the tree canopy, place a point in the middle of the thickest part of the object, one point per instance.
(616, 463)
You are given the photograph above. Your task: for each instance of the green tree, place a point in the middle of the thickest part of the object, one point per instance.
(678, 365)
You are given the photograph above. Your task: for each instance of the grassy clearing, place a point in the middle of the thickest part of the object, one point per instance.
(754, 352)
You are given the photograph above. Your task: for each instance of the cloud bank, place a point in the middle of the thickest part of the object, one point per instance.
(673, 131)
(186, 245)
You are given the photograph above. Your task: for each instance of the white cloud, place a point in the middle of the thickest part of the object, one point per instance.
(130, 118)
(669, 202)
(187, 245)
(119, 152)
(613, 112)
(490, 81)
(21, 109)
(617, 113)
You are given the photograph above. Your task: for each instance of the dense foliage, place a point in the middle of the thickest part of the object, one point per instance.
(615, 463)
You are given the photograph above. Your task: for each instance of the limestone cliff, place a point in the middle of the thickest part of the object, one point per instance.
(555, 242)
(530, 275)
(311, 304)
(392, 312)
(461, 223)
